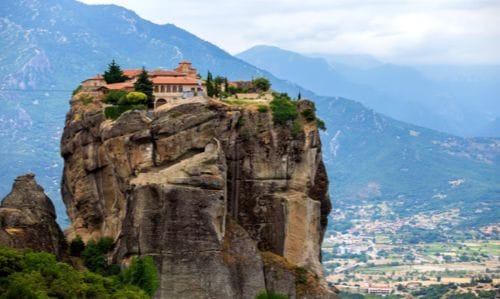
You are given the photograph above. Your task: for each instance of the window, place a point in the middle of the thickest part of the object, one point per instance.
(162, 88)
(156, 88)
(175, 88)
(168, 88)
(180, 88)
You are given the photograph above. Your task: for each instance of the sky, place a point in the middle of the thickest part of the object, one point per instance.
(398, 31)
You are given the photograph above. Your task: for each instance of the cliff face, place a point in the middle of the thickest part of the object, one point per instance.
(227, 203)
(28, 219)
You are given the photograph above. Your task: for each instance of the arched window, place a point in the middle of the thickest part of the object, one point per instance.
(160, 102)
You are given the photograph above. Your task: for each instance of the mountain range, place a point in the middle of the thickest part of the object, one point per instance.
(434, 96)
(48, 47)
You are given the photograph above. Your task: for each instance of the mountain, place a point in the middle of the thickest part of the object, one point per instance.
(420, 95)
(47, 47)
(374, 161)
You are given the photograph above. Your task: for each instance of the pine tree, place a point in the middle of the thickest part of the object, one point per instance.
(114, 74)
(299, 96)
(144, 85)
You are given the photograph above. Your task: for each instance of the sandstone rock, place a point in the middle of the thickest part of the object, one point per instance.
(203, 188)
(28, 219)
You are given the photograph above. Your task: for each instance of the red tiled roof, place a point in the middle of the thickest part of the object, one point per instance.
(165, 73)
(122, 85)
(132, 73)
(96, 77)
(175, 80)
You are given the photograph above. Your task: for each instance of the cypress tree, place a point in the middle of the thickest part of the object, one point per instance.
(114, 73)
(144, 85)
(210, 85)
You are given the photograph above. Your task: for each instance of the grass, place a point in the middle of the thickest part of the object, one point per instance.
(234, 101)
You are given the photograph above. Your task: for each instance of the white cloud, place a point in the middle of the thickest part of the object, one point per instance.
(417, 31)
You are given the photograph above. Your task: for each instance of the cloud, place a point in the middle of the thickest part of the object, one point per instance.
(418, 31)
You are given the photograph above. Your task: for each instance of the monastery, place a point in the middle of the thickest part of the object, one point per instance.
(168, 85)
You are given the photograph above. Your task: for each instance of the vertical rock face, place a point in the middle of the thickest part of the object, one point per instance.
(28, 219)
(205, 189)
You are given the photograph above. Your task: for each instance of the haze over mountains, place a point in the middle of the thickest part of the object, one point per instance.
(461, 100)
(48, 47)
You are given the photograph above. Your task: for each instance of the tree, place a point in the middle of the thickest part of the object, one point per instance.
(210, 85)
(142, 273)
(114, 74)
(114, 96)
(77, 246)
(299, 96)
(261, 84)
(144, 85)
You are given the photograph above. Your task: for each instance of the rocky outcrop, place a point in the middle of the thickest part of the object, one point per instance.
(204, 188)
(28, 219)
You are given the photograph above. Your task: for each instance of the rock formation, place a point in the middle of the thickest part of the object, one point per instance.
(28, 219)
(226, 202)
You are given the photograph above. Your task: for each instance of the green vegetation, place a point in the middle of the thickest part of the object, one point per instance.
(261, 84)
(94, 256)
(415, 235)
(142, 273)
(211, 90)
(270, 295)
(76, 90)
(114, 112)
(145, 86)
(76, 246)
(26, 274)
(86, 99)
(297, 128)
(114, 73)
(123, 101)
(309, 115)
(345, 295)
(134, 98)
(114, 96)
(263, 108)
(283, 108)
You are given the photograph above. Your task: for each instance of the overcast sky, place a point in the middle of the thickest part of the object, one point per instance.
(416, 31)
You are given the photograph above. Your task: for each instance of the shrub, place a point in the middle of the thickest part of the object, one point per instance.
(261, 84)
(283, 109)
(297, 128)
(77, 90)
(320, 124)
(142, 273)
(86, 99)
(270, 295)
(263, 108)
(309, 114)
(114, 96)
(134, 98)
(114, 112)
(77, 246)
(94, 256)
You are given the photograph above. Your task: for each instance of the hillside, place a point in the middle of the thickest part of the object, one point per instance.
(374, 159)
(433, 96)
(48, 47)
(37, 80)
